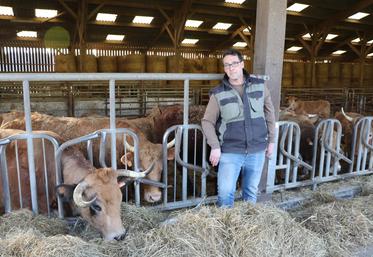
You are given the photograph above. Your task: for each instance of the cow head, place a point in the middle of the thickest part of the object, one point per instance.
(98, 199)
(150, 154)
(291, 101)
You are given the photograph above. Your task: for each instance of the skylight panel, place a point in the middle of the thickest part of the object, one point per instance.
(112, 37)
(370, 55)
(189, 41)
(6, 10)
(45, 13)
(297, 7)
(247, 30)
(222, 26)
(235, 1)
(356, 40)
(193, 23)
(27, 33)
(240, 44)
(143, 19)
(338, 52)
(331, 36)
(358, 16)
(294, 49)
(306, 36)
(108, 17)
(370, 41)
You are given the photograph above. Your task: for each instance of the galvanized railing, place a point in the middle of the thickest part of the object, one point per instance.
(111, 77)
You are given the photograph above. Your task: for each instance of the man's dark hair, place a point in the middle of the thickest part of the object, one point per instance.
(233, 52)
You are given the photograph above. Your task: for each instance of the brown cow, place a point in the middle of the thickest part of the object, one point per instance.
(348, 121)
(16, 200)
(69, 128)
(80, 178)
(319, 107)
(9, 116)
(307, 124)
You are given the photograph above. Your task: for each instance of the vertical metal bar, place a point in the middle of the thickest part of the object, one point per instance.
(365, 137)
(46, 183)
(90, 151)
(185, 138)
(30, 146)
(5, 180)
(272, 164)
(112, 124)
(322, 152)
(204, 165)
(18, 174)
(328, 139)
(289, 148)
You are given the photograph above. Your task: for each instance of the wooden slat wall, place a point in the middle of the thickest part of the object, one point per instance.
(34, 58)
(28, 59)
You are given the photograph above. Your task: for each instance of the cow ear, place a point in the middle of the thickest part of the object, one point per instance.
(171, 154)
(127, 159)
(65, 192)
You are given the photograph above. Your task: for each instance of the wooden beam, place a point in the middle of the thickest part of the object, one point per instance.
(305, 45)
(354, 49)
(159, 34)
(232, 35)
(62, 2)
(52, 18)
(180, 19)
(96, 10)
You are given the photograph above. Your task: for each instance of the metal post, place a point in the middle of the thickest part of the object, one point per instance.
(112, 125)
(185, 138)
(30, 146)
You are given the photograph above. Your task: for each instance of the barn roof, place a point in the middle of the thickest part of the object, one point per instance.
(167, 30)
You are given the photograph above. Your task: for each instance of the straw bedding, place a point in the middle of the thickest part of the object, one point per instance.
(323, 227)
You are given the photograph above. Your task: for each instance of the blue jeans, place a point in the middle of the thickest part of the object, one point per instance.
(230, 165)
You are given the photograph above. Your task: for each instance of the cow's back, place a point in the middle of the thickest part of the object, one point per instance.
(320, 107)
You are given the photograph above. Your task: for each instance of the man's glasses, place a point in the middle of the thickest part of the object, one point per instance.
(233, 65)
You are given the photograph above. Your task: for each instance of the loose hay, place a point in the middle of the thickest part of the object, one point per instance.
(333, 229)
(24, 219)
(346, 225)
(242, 231)
(34, 244)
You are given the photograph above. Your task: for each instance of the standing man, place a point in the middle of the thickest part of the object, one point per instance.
(239, 124)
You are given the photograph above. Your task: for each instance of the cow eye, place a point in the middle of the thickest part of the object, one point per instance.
(94, 208)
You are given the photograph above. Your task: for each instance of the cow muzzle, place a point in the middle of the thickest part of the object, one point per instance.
(153, 196)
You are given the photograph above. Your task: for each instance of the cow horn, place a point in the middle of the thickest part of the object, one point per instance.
(134, 174)
(78, 195)
(171, 144)
(129, 147)
(350, 119)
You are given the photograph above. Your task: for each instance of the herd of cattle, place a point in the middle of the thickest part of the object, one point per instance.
(94, 192)
(308, 114)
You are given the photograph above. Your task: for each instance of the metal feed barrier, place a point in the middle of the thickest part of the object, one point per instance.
(111, 77)
(329, 162)
(190, 177)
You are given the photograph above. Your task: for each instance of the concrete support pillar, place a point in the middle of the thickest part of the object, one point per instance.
(269, 44)
(269, 55)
